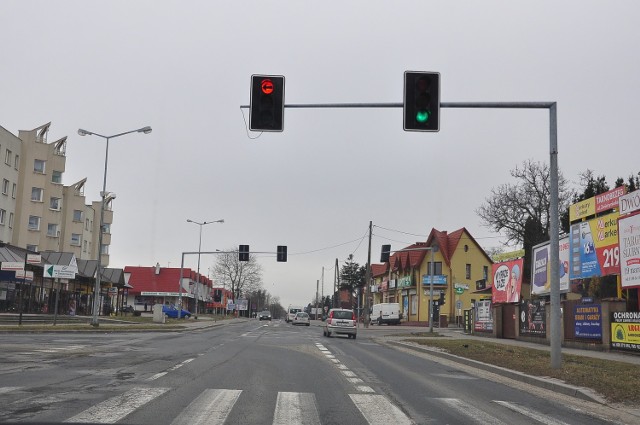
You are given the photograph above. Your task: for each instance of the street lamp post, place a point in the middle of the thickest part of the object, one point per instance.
(200, 249)
(103, 195)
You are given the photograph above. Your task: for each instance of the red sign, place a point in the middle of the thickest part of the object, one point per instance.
(609, 200)
(507, 281)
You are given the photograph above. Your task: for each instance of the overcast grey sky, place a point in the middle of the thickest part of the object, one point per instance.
(184, 67)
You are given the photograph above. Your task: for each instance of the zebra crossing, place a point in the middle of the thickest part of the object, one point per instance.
(214, 407)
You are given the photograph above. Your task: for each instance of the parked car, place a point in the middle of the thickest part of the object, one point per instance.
(172, 312)
(264, 315)
(388, 313)
(340, 321)
(301, 318)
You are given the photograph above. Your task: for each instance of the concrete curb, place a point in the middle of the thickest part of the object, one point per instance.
(545, 383)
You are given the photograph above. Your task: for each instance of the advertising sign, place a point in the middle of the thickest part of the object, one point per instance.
(507, 281)
(12, 265)
(533, 318)
(483, 316)
(630, 251)
(541, 268)
(54, 271)
(625, 330)
(242, 305)
(629, 203)
(594, 247)
(438, 279)
(597, 204)
(588, 320)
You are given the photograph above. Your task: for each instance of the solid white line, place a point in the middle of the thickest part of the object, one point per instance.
(473, 414)
(377, 410)
(530, 413)
(112, 410)
(157, 375)
(296, 409)
(211, 407)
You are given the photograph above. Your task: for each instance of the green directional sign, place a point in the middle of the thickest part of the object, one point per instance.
(459, 290)
(49, 271)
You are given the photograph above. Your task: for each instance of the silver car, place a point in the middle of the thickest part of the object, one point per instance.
(301, 318)
(340, 321)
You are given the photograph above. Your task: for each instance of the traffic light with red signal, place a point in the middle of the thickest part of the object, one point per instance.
(266, 111)
(421, 101)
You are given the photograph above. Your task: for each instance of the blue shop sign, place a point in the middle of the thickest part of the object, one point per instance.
(438, 279)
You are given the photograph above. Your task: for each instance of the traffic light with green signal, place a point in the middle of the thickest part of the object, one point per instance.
(421, 101)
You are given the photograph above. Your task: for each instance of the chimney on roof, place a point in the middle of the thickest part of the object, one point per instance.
(157, 268)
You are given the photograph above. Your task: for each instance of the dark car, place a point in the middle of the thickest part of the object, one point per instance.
(172, 312)
(264, 315)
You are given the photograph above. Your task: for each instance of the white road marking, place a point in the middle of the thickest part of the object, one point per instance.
(377, 410)
(355, 380)
(473, 414)
(211, 407)
(342, 367)
(112, 410)
(348, 374)
(543, 419)
(156, 376)
(296, 409)
(5, 390)
(365, 389)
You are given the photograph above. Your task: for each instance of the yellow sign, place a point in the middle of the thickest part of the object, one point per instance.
(582, 209)
(626, 333)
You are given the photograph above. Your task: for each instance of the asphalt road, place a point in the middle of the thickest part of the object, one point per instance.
(257, 373)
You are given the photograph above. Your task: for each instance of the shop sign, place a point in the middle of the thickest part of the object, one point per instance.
(438, 279)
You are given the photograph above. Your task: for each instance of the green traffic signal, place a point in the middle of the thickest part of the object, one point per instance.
(422, 116)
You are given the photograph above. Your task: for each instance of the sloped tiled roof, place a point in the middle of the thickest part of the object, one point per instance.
(449, 242)
(378, 270)
(145, 279)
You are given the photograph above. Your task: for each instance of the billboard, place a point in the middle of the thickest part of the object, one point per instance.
(596, 204)
(533, 318)
(507, 281)
(629, 203)
(594, 247)
(483, 316)
(541, 268)
(625, 330)
(630, 251)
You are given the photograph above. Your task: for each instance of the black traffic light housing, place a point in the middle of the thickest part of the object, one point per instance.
(266, 111)
(243, 253)
(441, 300)
(282, 253)
(421, 101)
(384, 254)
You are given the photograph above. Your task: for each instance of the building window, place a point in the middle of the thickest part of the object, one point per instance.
(17, 162)
(77, 216)
(7, 157)
(3, 214)
(76, 239)
(468, 271)
(52, 230)
(54, 203)
(438, 269)
(84, 246)
(11, 220)
(36, 194)
(104, 250)
(86, 224)
(106, 228)
(13, 191)
(485, 272)
(5, 186)
(39, 166)
(56, 177)
(34, 223)
(32, 248)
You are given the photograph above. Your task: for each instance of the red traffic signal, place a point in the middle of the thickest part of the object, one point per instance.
(266, 111)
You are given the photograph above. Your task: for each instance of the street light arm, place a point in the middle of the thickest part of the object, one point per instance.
(145, 130)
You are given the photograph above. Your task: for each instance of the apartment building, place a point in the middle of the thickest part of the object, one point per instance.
(37, 211)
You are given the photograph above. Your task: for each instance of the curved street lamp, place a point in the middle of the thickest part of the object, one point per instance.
(103, 195)
(199, 249)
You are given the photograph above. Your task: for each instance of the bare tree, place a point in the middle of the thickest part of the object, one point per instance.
(513, 208)
(238, 276)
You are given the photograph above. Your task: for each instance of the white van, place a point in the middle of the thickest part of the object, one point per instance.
(388, 313)
(291, 313)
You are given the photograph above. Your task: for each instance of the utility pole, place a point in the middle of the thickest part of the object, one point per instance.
(335, 286)
(367, 278)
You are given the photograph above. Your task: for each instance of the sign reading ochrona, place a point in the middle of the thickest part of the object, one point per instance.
(625, 330)
(54, 271)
